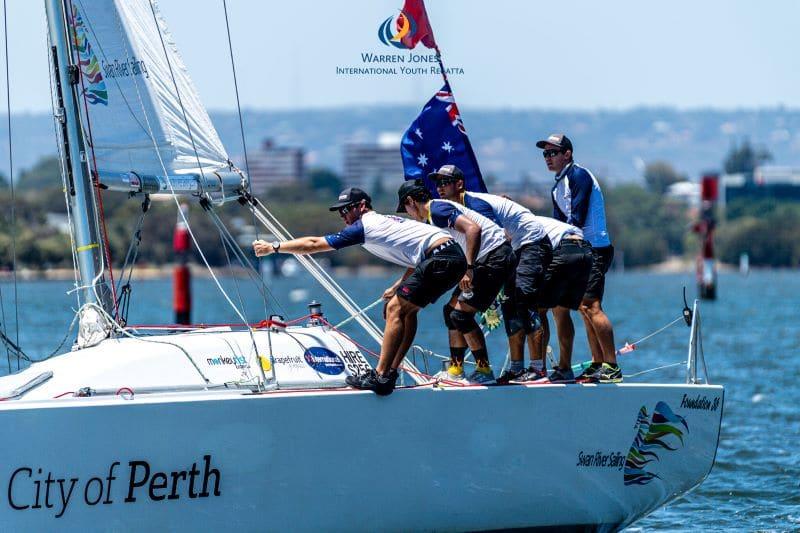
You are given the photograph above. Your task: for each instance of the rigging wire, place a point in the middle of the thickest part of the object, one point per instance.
(241, 124)
(124, 291)
(13, 199)
(255, 276)
(175, 197)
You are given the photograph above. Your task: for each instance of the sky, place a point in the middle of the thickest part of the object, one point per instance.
(518, 54)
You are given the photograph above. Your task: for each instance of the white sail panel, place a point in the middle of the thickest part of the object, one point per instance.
(135, 114)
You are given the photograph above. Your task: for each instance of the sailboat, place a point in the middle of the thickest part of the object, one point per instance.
(251, 426)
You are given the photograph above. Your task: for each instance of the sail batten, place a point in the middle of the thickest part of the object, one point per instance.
(131, 69)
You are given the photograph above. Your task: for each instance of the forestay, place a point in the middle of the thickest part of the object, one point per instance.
(131, 97)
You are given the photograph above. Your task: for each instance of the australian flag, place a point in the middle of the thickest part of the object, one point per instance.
(437, 137)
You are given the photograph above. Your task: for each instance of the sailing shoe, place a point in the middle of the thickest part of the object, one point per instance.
(510, 375)
(380, 385)
(483, 375)
(532, 374)
(454, 374)
(559, 375)
(590, 374)
(610, 374)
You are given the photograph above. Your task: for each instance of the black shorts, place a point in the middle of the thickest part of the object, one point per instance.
(434, 276)
(525, 284)
(568, 274)
(489, 276)
(597, 278)
(532, 262)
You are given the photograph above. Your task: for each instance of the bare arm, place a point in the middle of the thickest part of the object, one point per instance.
(473, 234)
(300, 246)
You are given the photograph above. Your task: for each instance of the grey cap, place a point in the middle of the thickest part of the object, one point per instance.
(556, 139)
(447, 171)
(349, 196)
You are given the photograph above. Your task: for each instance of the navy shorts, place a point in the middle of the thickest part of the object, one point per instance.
(597, 278)
(568, 274)
(434, 276)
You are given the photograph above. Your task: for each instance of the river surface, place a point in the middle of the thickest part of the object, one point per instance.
(751, 336)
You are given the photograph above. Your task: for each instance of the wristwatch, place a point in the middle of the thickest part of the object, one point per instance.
(276, 246)
(470, 267)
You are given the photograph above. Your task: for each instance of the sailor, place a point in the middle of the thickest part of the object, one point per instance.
(565, 283)
(532, 255)
(433, 260)
(490, 260)
(578, 200)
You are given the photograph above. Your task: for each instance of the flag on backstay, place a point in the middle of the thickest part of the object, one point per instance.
(437, 137)
(417, 26)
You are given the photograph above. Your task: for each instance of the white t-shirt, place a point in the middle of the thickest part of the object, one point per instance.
(557, 230)
(443, 214)
(518, 221)
(398, 240)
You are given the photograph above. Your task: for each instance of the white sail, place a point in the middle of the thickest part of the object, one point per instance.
(137, 120)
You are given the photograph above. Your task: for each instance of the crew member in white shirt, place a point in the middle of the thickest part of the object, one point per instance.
(490, 261)
(434, 264)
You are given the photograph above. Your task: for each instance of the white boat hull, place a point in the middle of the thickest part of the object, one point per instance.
(421, 459)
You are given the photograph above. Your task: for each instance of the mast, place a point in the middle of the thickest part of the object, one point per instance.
(93, 287)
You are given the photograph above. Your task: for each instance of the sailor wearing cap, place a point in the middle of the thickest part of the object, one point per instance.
(578, 200)
(533, 252)
(490, 259)
(431, 256)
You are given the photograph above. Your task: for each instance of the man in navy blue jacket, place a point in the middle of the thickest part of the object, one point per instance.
(577, 200)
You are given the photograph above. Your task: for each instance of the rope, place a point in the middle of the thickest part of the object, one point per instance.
(654, 369)
(202, 174)
(241, 125)
(229, 240)
(629, 347)
(363, 310)
(13, 200)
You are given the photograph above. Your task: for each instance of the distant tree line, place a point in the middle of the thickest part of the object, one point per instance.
(645, 224)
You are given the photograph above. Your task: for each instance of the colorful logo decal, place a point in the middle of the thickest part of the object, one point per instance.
(95, 92)
(661, 432)
(324, 361)
(405, 25)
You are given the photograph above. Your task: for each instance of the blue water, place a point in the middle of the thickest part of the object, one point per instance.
(751, 339)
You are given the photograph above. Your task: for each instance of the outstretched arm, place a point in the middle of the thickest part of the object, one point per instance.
(352, 234)
(300, 246)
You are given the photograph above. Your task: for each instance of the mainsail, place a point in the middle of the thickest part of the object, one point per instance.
(144, 113)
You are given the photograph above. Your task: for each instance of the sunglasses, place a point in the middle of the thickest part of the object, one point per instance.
(445, 181)
(551, 153)
(347, 208)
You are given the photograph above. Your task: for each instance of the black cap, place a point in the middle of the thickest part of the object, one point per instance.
(350, 196)
(447, 171)
(407, 188)
(556, 139)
